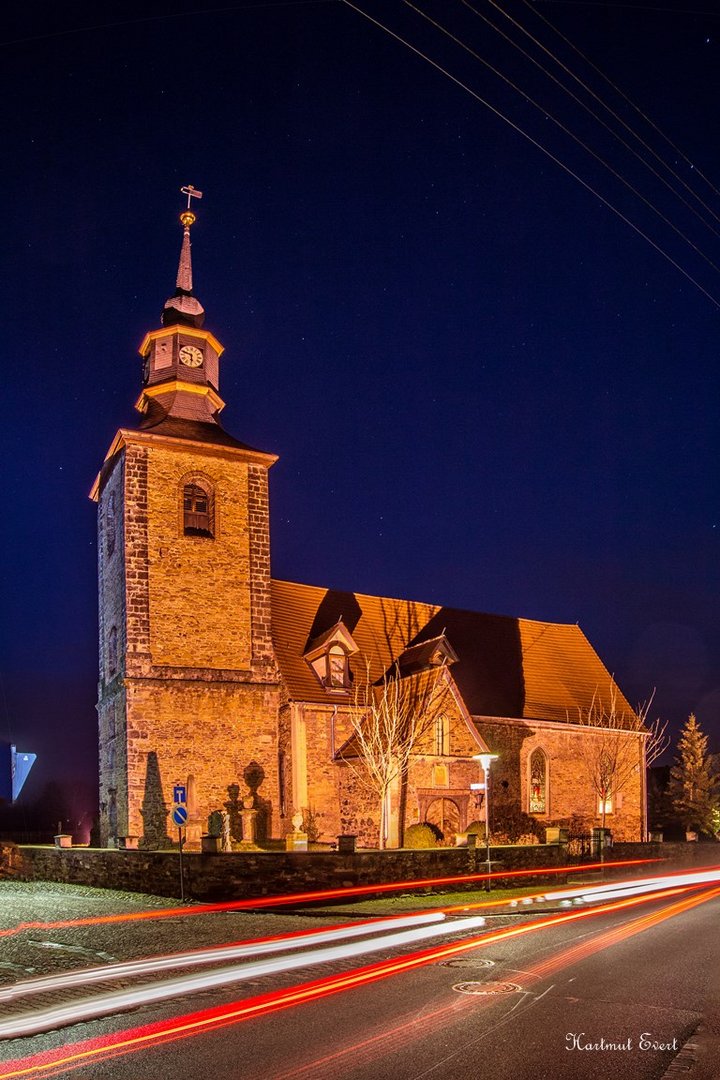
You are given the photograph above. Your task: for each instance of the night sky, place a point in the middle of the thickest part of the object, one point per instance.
(486, 389)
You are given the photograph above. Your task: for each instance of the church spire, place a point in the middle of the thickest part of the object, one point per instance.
(183, 307)
(181, 360)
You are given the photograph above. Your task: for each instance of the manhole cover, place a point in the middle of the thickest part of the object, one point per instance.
(467, 962)
(487, 988)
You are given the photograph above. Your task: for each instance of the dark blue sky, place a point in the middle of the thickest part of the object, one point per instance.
(485, 388)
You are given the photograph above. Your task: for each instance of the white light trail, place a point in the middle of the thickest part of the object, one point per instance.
(151, 964)
(33, 1023)
(636, 887)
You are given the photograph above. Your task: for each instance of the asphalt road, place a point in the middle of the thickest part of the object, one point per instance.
(604, 996)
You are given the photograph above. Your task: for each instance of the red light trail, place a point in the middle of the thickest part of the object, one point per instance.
(309, 897)
(406, 1030)
(53, 1062)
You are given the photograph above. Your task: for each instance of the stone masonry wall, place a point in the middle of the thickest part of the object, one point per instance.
(569, 788)
(195, 700)
(112, 623)
(198, 588)
(259, 544)
(221, 734)
(229, 877)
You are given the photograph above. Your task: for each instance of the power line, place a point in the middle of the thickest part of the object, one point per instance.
(622, 94)
(612, 112)
(538, 145)
(567, 131)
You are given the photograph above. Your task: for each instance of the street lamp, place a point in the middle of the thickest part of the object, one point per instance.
(485, 761)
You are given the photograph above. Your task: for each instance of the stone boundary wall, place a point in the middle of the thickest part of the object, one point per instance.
(253, 874)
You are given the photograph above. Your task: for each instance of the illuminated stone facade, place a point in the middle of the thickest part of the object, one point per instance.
(242, 689)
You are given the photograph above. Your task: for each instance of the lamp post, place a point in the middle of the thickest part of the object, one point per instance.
(485, 761)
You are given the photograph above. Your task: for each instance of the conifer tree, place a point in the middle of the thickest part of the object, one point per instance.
(693, 787)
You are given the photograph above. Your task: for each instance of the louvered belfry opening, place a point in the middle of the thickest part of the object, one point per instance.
(197, 511)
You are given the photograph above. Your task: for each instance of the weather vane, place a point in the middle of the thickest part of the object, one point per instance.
(187, 217)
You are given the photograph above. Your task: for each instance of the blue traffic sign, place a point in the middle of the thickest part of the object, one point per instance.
(180, 815)
(179, 793)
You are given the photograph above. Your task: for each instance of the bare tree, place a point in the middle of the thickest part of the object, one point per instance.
(611, 755)
(390, 719)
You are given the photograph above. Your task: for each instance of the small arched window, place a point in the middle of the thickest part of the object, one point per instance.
(112, 653)
(442, 736)
(538, 783)
(110, 525)
(337, 667)
(197, 511)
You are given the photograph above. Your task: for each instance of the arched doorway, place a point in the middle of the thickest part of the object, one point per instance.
(444, 813)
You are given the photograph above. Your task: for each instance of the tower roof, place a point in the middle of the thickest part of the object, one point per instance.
(183, 306)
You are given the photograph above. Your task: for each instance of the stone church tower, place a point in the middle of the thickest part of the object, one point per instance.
(189, 687)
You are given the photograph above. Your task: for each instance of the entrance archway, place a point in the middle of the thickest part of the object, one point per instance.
(445, 813)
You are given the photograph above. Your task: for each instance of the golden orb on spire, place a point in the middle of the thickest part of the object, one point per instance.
(187, 218)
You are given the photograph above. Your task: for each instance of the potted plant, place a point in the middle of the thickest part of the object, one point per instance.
(210, 842)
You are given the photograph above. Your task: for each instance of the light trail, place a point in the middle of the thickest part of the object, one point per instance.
(589, 893)
(52, 1062)
(619, 888)
(297, 939)
(32, 1023)
(617, 934)
(415, 1025)
(232, 951)
(293, 899)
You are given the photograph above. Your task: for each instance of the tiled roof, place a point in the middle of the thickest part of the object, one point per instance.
(157, 422)
(507, 667)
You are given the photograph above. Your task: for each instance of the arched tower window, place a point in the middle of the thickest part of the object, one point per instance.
(198, 517)
(538, 782)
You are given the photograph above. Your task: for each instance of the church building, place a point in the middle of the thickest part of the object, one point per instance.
(253, 693)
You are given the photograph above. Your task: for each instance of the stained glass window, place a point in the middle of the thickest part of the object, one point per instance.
(538, 782)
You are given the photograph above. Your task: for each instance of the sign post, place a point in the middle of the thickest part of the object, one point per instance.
(180, 815)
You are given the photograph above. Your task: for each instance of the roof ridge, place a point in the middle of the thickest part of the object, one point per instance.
(430, 604)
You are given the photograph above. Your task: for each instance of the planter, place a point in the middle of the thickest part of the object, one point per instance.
(210, 845)
(346, 844)
(296, 841)
(63, 840)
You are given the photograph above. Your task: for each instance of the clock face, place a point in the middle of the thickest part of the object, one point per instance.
(191, 356)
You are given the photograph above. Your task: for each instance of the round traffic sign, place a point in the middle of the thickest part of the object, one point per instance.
(180, 815)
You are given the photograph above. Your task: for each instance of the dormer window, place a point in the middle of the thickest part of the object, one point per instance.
(329, 655)
(197, 511)
(434, 653)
